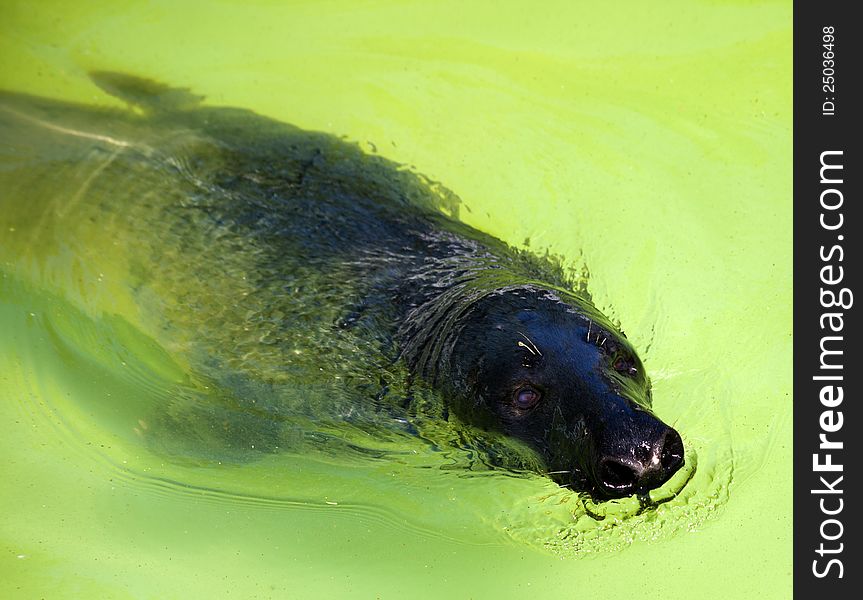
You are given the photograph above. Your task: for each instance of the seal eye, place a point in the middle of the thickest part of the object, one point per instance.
(624, 365)
(526, 397)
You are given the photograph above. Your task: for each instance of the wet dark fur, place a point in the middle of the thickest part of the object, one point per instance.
(392, 264)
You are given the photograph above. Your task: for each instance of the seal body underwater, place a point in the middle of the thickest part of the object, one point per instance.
(294, 257)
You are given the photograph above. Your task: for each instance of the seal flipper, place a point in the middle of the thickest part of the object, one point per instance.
(147, 95)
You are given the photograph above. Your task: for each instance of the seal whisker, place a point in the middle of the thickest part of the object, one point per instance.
(525, 346)
(531, 343)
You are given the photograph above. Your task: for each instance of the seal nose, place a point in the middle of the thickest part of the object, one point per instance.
(645, 468)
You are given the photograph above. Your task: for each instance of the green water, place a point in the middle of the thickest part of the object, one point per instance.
(651, 144)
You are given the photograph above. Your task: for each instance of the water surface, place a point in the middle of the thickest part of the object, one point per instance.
(651, 145)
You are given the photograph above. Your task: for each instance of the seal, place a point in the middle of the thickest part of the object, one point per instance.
(300, 261)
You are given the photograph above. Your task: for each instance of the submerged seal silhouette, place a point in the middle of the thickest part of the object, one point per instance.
(499, 332)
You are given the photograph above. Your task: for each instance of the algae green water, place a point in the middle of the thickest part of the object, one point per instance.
(652, 145)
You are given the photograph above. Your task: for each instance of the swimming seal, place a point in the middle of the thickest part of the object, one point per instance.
(315, 257)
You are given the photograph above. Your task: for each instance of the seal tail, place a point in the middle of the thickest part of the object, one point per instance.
(145, 94)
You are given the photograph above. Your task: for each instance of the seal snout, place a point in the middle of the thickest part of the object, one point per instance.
(642, 468)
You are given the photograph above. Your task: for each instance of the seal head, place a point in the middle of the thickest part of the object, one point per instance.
(545, 367)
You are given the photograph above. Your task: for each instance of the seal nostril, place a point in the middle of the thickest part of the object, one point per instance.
(616, 475)
(671, 457)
